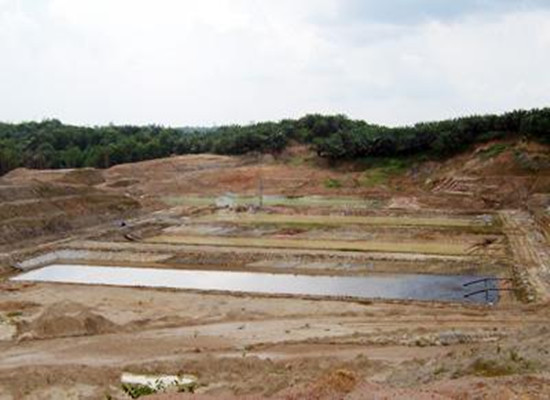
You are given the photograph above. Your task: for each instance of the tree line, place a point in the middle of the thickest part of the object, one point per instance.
(52, 144)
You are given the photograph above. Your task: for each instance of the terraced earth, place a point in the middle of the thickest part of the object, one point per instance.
(60, 340)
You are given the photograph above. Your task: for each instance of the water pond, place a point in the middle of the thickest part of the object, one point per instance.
(390, 286)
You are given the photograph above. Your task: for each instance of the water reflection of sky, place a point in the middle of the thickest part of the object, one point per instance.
(401, 286)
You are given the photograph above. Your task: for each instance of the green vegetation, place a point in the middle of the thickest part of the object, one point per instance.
(298, 201)
(14, 314)
(137, 391)
(374, 178)
(493, 151)
(335, 245)
(331, 183)
(502, 366)
(327, 220)
(379, 170)
(529, 163)
(51, 144)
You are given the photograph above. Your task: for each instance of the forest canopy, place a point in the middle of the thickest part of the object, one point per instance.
(52, 144)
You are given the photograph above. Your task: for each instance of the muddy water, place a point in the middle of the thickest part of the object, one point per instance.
(418, 287)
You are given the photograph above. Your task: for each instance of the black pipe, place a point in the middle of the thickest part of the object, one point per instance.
(485, 280)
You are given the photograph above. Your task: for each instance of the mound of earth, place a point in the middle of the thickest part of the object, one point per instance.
(333, 385)
(66, 319)
(122, 183)
(84, 176)
(77, 176)
(38, 175)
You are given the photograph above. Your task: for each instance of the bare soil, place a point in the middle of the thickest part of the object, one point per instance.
(60, 341)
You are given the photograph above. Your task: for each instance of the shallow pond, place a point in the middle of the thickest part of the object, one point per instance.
(394, 286)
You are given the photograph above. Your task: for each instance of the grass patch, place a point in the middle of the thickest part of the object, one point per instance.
(136, 392)
(275, 200)
(513, 364)
(291, 226)
(335, 245)
(493, 151)
(331, 220)
(297, 161)
(331, 183)
(14, 314)
(374, 178)
(380, 170)
(188, 201)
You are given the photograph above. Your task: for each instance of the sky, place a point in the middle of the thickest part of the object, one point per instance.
(215, 62)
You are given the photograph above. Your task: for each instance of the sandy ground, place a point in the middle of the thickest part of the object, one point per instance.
(60, 341)
(173, 331)
(75, 341)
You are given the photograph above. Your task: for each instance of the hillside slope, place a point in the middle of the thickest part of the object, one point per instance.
(34, 207)
(498, 174)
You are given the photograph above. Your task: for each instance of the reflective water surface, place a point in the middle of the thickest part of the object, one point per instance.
(391, 286)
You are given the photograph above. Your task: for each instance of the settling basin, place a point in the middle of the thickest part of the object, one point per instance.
(391, 286)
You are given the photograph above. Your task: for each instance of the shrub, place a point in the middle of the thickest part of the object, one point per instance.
(331, 183)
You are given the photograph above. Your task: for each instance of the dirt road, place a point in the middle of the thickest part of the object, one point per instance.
(166, 330)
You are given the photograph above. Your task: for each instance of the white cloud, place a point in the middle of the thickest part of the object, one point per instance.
(221, 61)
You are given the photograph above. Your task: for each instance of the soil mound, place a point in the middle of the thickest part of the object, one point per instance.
(84, 176)
(122, 183)
(331, 386)
(66, 319)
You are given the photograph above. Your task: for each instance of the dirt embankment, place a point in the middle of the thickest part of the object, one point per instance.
(492, 175)
(31, 210)
(499, 173)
